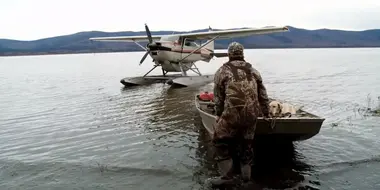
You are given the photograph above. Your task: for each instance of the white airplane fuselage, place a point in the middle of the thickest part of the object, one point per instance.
(172, 53)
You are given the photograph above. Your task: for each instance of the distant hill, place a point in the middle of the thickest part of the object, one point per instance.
(296, 38)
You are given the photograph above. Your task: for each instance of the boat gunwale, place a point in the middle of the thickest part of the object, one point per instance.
(261, 119)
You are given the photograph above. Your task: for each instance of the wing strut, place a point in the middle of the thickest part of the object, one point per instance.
(140, 45)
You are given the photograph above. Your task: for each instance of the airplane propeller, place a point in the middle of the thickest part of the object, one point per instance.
(150, 43)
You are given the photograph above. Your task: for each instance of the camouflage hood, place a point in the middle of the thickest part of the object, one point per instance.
(240, 63)
(235, 50)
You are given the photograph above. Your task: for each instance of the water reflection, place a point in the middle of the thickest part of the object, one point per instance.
(277, 164)
(280, 165)
(170, 112)
(203, 154)
(174, 123)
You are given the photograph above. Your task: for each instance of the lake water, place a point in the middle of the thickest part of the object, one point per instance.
(67, 123)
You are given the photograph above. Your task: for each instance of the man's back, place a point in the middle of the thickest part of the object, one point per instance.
(244, 95)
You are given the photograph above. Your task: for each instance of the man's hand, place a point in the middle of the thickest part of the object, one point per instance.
(266, 117)
(217, 119)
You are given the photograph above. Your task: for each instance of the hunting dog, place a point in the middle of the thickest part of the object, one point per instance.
(278, 109)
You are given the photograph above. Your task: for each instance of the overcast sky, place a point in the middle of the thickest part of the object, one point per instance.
(35, 19)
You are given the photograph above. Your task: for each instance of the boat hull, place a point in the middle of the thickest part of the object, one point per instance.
(295, 128)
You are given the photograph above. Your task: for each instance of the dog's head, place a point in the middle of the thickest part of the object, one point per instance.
(275, 108)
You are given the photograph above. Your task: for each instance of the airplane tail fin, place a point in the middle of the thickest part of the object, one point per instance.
(208, 50)
(210, 45)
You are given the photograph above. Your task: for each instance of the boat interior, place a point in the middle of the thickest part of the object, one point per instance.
(208, 107)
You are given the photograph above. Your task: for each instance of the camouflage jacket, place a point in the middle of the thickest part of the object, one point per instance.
(249, 93)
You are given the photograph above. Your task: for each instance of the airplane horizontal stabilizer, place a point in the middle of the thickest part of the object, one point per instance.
(220, 54)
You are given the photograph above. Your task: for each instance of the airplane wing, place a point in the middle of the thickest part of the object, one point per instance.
(125, 38)
(199, 35)
(233, 33)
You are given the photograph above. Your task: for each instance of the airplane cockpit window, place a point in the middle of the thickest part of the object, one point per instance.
(190, 43)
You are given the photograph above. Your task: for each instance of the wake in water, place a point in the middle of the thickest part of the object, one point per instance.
(374, 111)
(340, 167)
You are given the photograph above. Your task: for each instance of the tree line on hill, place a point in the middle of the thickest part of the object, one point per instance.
(295, 38)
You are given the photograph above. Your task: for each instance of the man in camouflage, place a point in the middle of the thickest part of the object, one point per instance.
(240, 97)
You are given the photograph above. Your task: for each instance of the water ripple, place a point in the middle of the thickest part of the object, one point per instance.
(72, 126)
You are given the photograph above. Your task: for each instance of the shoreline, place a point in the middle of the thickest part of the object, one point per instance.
(130, 51)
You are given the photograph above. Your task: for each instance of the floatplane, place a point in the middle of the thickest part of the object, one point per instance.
(179, 52)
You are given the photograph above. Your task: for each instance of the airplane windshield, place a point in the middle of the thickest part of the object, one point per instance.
(169, 38)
